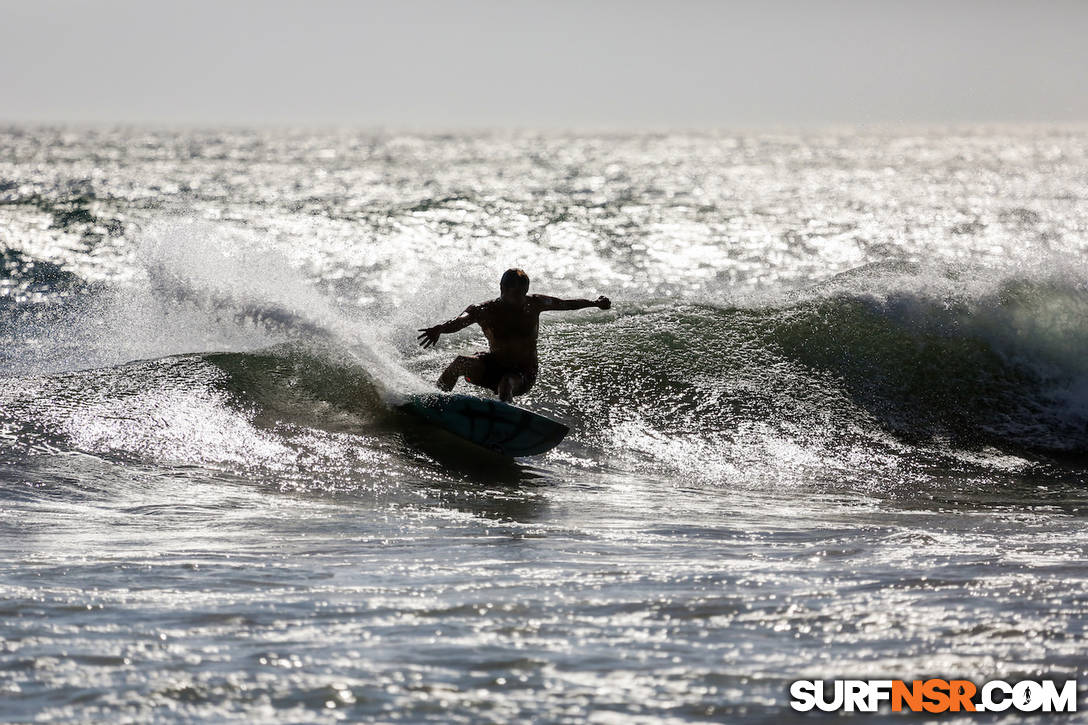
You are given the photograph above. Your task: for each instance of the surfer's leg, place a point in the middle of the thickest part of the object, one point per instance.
(511, 384)
(462, 366)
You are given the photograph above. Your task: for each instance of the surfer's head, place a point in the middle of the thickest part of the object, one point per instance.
(514, 285)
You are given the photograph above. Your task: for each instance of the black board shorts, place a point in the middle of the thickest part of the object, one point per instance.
(495, 371)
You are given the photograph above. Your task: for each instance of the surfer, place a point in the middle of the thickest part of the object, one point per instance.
(511, 324)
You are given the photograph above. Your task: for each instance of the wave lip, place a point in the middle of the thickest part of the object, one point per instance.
(997, 360)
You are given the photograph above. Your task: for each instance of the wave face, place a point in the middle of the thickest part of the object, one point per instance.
(833, 368)
(835, 423)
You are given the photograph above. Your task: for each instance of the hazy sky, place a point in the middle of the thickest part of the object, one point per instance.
(548, 63)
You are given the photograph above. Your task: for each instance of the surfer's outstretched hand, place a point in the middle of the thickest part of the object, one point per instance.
(428, 336)
(603, 302)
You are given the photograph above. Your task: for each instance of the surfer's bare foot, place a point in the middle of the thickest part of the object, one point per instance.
(448, 378)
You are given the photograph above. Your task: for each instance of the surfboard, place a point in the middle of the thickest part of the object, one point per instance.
(493, 424)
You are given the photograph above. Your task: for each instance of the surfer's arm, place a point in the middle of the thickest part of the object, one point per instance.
(428, 336)
(554, 303)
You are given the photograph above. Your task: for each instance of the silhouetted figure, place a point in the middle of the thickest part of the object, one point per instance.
(511, 323)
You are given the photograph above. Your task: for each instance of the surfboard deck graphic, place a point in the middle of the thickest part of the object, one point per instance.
(493, 424)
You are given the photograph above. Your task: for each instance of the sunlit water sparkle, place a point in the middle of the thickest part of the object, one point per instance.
(835, 424)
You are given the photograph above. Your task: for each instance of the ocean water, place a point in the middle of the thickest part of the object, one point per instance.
(834, 425)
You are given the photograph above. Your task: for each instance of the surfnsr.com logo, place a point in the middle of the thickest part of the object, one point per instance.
(934, 695)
